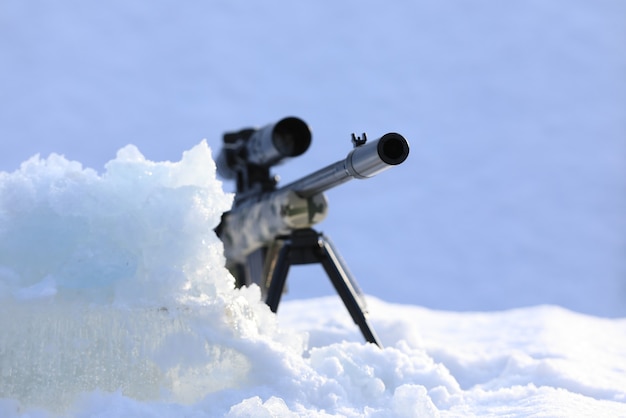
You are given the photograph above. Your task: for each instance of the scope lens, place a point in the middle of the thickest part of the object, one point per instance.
(291, 137)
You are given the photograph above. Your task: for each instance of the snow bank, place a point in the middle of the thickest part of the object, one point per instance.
(116, 281)
(114, 302)
(140, 233)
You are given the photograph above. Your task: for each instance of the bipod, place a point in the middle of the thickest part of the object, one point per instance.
(307, 246)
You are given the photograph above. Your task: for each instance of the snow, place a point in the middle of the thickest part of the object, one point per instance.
(129, 310)
(493, 259)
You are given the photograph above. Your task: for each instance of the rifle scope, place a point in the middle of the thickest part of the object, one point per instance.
(264, 147)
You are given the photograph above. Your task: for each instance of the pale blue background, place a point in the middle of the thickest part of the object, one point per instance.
(515, 190)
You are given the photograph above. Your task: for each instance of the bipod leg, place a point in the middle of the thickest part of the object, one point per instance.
(307, 246)
(346, 287)
(279, 276)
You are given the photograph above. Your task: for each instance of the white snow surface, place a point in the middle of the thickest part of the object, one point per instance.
(494, 257)
(114, 302)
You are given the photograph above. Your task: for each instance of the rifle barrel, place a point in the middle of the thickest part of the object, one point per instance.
(364, 161)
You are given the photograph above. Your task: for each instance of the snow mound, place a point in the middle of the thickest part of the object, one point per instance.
(117, 282)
